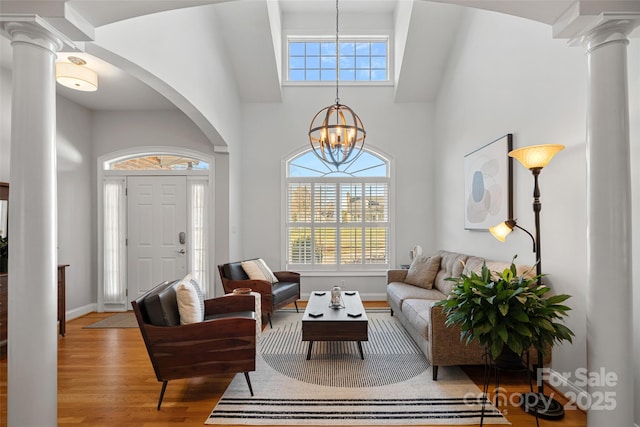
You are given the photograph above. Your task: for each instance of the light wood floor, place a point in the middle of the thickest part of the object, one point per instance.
(105, 379)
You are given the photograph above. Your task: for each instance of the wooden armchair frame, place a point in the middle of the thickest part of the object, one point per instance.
(265, 289)
(221, 345)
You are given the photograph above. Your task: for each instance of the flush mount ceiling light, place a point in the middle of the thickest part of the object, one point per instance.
(336, 133)
(75, 75)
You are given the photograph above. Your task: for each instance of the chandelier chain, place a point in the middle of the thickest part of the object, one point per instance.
(336, 133)
(337, 55)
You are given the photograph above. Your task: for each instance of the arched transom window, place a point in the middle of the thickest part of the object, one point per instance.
(337, 220)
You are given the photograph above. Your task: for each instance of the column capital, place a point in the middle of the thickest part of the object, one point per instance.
(33, 29)
(30, 32)
(610, 28)
(592, 23)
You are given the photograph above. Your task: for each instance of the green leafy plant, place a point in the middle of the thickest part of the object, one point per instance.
(4, 253)
(4, 246)
(505, 310)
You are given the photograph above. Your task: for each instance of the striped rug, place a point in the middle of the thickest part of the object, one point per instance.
(391, 386)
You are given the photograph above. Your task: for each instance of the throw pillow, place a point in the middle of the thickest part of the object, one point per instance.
(257, 269)
(195, 284)
(423, 271)
(189, 303)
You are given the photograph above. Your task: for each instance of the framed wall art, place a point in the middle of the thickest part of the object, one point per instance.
(488, 184)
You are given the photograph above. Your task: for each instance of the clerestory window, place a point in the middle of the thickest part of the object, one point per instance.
(354, 59)
(337, 220)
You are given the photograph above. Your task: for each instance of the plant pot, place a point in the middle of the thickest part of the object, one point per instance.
(508, 359)
(4, 261)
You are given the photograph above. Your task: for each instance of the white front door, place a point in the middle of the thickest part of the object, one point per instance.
(157, 226)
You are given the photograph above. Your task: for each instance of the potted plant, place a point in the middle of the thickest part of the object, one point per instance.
(4, 254)
(505, 311)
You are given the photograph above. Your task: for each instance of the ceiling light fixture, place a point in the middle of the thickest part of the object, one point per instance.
(336, 133)
(74, 75)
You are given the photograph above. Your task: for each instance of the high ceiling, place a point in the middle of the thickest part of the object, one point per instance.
(430, 31)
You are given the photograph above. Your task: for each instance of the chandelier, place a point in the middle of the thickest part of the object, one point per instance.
(336, 133)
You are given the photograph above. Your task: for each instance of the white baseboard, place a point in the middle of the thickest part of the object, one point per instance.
(81, 311)
(572, 392)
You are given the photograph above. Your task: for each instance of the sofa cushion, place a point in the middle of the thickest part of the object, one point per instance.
(161, 305)
(451, 265)
(257, 269)
(190, 301)
(281, 291)
(418, 313)
(474, 264)
(423, 271)
(398, 292)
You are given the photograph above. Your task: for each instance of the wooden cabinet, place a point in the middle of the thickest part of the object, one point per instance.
(3, 310)
(62, 307)
(4, 279)
(4, 291)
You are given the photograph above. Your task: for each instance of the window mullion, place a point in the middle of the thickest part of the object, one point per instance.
(363, 237)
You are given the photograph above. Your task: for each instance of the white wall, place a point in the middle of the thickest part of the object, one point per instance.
(508, 75)
(170, 46)
(534, 87)
(118, 130)
(76, 222)
(274, 131)
(5, 123)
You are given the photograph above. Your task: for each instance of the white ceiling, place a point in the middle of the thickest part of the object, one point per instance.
(245, 24)
(433, 28)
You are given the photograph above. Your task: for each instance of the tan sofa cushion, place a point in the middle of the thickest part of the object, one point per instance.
(398, 292)
(474, 264)
(423, 271)
(418, 313)
(451, 265)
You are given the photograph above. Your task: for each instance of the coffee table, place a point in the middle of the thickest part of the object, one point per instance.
(321, 322)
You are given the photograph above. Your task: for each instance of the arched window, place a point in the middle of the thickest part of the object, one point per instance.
(157, 162)
(337, 220)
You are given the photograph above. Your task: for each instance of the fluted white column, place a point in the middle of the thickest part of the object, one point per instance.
(32, 334)
(609, 315)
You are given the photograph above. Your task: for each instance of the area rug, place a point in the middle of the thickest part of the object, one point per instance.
(118, 320)
(391, 386)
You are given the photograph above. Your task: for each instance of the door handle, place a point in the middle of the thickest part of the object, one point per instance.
(182, 251)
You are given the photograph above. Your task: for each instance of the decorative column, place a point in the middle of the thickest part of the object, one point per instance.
(609, 315)
(32, 336)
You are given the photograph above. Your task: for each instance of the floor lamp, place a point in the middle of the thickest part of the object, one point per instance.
(534, 158)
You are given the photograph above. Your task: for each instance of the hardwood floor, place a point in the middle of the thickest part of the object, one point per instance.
(105, 379)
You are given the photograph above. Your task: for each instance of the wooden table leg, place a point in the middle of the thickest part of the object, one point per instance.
(360, 348)
(309, 350)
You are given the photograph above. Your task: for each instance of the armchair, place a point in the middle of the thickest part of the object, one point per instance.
(225, 342)
(274, 295)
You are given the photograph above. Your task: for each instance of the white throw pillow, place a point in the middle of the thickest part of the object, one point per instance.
(190, 301)
(257, 269)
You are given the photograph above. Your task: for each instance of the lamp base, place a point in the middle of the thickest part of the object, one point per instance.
(546, 407)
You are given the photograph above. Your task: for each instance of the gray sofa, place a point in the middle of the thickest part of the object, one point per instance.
(413, 306)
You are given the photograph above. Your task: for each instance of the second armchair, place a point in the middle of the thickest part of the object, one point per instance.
(277, 289)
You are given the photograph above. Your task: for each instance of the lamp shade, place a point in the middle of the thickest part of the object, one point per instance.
(536, 156)
(76, 77)
(501, 231)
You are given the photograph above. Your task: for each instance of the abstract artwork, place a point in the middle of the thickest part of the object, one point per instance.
(488, 185)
